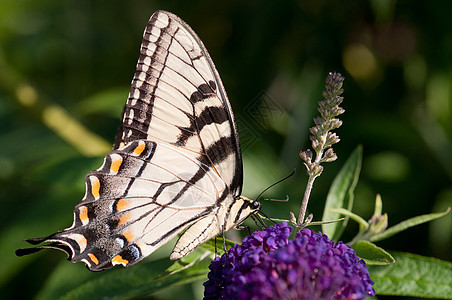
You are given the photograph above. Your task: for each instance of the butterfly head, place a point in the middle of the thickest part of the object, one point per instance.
(253, 205)
(245, 208)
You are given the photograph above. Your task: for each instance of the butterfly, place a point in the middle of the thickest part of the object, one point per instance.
(176, 164)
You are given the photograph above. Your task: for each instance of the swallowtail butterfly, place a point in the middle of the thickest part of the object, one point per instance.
(176, 163)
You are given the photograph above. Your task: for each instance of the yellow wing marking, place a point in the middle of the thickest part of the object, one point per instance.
(122, 204)
(83, 215)
(128, 235)
(93, 258)
(124, 219)
(139, 149)
(116, 162)
(118, 260)
(95, 187)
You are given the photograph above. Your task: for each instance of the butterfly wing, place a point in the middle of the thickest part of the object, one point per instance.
(136, 201)
(177, 97)
(176, 161)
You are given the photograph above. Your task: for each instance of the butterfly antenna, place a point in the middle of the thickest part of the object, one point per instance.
(279, 181)
(278, 200)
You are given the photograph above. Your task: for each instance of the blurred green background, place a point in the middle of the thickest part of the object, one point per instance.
(65, 70)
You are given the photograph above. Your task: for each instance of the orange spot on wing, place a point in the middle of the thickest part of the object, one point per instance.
(128, 235)
(83, 215)
(119, 260)
(93, 258)
(139, 149)
(123, 219)
(122, 204)
(95, 187)
(115, 164)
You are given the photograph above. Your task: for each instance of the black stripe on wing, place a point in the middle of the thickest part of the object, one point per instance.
(159, 83)
(140, 129)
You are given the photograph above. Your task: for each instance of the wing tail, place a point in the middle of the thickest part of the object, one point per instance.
(52, 245)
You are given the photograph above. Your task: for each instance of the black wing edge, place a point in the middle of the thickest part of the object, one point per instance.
(52, 245)
(118, 138)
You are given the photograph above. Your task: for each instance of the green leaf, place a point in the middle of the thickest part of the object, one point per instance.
(317, 222)
(378, 206)
(341, 194)
(145, 278)
(372, 254)
(415, 276)
(362, 223)
(217, 246)
(407, 224)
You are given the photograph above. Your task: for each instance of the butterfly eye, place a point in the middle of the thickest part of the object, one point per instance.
(255, 205)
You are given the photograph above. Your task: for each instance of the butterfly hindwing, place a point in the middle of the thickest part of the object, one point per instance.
(139, 193)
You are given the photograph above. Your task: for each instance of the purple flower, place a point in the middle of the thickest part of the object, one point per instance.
(270, 266)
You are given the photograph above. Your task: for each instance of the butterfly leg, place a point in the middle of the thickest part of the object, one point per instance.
(224, 238)
(258, 221)
(241, 227)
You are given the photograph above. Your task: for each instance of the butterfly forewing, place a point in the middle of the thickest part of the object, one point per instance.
(177, 97)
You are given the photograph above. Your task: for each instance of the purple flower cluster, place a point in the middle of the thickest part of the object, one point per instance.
(270, 266)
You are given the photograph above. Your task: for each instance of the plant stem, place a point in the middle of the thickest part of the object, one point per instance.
(304, 203)
(322, 138)
(307, 191)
